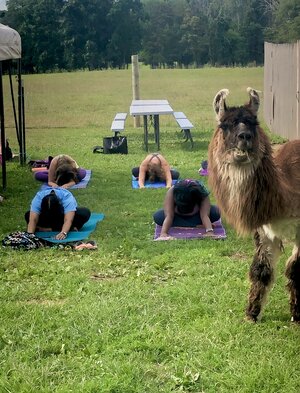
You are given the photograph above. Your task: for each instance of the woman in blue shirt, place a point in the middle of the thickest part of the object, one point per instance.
(55, 209)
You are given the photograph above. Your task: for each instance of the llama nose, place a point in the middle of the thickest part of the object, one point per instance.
(244, 140)
(245, 136)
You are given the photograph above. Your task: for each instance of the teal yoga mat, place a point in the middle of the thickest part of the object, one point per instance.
(73, 236)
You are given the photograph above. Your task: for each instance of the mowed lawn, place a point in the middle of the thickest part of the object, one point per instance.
(133, 316)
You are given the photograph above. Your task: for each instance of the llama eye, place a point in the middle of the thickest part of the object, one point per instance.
(225, 128)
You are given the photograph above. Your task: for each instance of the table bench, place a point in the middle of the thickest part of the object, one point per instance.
(118, 124)
(185, 125)
(151, 109)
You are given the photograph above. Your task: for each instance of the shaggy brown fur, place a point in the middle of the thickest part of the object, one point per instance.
(257, 193)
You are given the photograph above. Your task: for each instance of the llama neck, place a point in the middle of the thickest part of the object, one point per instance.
(254, 195)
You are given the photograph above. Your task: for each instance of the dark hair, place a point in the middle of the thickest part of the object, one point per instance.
(187, 195)
(64, 174)
(155, 172)
(51, 205)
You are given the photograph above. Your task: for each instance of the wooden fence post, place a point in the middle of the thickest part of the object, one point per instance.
(135, 85)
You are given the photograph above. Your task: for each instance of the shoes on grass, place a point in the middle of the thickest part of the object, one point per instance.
(90, 245)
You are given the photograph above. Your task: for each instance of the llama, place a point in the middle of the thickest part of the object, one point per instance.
(257, 193)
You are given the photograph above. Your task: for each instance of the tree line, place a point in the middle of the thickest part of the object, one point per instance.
(99, 34)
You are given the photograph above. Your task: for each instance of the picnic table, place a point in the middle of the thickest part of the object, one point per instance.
(151, 109)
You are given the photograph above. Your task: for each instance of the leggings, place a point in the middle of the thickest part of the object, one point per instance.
(55, 222)
(43, 175)
(135, 171)
(186, 221)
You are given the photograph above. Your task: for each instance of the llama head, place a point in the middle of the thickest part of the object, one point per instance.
(238, 129)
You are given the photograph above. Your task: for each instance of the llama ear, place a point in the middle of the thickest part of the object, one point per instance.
(254, 100)
(219, 104)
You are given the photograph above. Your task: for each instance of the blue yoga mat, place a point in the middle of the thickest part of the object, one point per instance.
(148, 184)
(82, 184)
(74, 236)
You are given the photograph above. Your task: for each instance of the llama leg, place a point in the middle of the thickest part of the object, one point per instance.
(293, 274)
(261, 273)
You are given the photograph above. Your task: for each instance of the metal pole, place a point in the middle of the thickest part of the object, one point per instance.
(2, 131)
(20, 106)
(146, 132)
(13, 101)
(156, 131)
(298, 90)
(23, 125)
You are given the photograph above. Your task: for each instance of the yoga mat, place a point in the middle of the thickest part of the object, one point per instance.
(82, 184)
(203, 172)
(74, 236)
(193, 233)
(135, 183)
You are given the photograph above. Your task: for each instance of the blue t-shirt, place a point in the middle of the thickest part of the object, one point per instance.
(65, 197)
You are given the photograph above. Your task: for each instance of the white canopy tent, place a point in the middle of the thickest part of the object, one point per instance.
(10, 49)
(10, 43)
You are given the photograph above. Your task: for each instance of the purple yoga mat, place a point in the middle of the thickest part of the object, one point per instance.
(82, 184)
(193, 233)
(203, 172)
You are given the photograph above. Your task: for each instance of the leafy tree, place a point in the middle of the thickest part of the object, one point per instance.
(161, 33)
(218, 26)
(286, 25)
(125, 16)
(85, 28)
(252, 31)
(93, 34)
(38, 22)
(194, 39)
(91, 55)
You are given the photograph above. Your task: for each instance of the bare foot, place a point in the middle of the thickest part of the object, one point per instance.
(161, 238)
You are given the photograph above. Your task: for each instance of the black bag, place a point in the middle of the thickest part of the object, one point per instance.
(8, 151)
(22, 241)
(113, 145)
(41, 163)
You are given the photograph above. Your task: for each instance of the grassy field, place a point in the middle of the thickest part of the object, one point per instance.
(134, 315)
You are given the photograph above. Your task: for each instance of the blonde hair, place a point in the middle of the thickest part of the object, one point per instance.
(155, 172)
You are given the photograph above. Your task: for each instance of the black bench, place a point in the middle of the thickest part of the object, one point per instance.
(185, 125)
(118, 124)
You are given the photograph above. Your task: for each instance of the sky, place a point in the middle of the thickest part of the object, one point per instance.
(2, 4)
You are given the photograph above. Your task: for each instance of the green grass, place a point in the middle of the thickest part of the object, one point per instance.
(135, 315)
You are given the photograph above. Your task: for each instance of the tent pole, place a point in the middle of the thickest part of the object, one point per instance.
(20, 105)
(3, 152)
(13, 100)
(23, 124)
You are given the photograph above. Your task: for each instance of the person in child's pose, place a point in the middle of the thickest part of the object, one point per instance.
(55, 209)
(186, 204)
(59, 166)
(155, 168)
